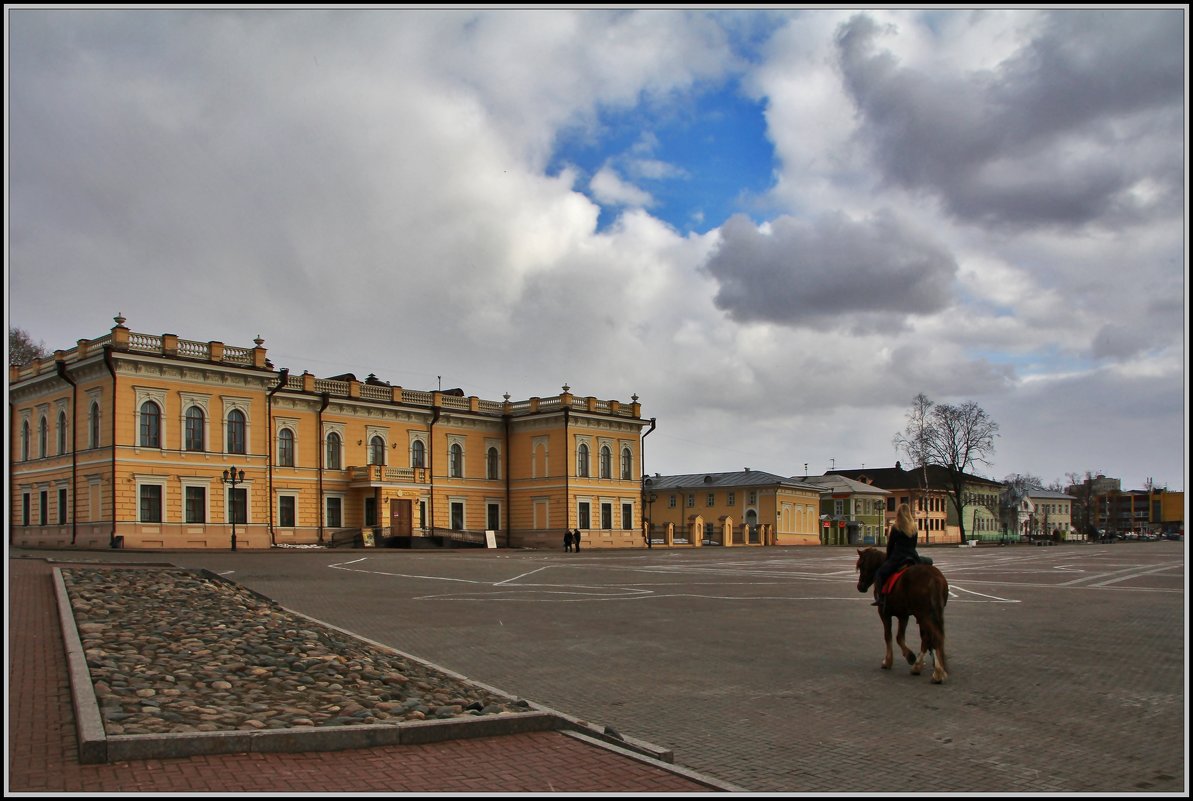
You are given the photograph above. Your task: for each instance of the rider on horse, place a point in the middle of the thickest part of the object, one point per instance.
(900, 550)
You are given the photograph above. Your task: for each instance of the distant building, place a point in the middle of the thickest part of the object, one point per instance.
(128, 439)
(750, 507)
(851, 512)
(927, 492)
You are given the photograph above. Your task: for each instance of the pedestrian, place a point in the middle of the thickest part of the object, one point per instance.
(576, 540)
(900, 548)
(567, 541)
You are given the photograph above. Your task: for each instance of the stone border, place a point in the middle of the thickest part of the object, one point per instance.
(96, 746)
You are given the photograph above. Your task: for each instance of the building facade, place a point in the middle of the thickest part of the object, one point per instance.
(131, 439)
(851, 512)
(751, 507)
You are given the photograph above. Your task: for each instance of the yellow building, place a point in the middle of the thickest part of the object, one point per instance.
(747, 508)
(140, 441)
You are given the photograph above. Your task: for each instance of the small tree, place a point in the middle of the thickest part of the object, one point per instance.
(953, 437)
(22, 349)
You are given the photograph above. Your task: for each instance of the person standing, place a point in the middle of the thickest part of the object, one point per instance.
(576, 540)
(900, 548)
(567, 541)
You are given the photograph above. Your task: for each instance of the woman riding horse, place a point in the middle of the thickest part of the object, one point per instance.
(900, 549)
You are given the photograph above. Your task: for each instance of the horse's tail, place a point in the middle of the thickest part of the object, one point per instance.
(939, 597)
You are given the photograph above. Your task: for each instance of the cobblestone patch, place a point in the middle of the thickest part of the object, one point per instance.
(174, 651)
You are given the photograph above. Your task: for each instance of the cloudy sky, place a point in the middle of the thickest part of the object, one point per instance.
(776, 227)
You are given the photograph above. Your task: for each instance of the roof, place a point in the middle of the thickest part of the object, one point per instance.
(842, 484)
(894, 478)
(1043, 493)
(743, 478)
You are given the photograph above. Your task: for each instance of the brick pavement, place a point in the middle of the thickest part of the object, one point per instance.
(43, 752)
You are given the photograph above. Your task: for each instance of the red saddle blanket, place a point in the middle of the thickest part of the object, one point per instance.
(890, 583)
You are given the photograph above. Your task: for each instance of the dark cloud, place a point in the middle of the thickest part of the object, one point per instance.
(1083, 124)
(829, 272)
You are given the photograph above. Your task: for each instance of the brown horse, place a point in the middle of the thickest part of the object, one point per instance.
(921, 591)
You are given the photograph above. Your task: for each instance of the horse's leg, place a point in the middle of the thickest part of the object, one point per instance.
(939, 665)
(925, 646)
(902, 640)
(888, 657)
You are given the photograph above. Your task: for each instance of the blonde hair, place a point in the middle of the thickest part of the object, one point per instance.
(904, 521)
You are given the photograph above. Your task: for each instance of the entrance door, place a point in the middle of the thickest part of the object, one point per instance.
(401, 517)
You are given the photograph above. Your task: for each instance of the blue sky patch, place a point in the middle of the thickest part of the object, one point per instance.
(691, 164)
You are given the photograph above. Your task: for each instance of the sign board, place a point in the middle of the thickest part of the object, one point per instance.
(368, 538)
(490, 539)
(826, 524)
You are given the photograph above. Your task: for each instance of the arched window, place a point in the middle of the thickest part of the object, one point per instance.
(151, 425)
(627, 464)
(418, 454)
(25, 441)
(333, 451)
(606, 462)
(93, 421)
(236, 431)
(43, 429)
(286, 448)
(377, 450)
(61, 433)
(491, 464)
(582, 460)
(194, 429)
(456, 460)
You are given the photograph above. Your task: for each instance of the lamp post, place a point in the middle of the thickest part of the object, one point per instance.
(232, 477)
(650, 499)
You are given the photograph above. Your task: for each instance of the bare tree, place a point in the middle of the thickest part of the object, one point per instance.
(22, 349)
(953, 437)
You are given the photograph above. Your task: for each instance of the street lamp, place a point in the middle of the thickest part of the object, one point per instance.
(233, 477)
(650, 499)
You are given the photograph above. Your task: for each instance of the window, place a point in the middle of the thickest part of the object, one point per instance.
(584, 515)
(238, 505)
(457, 513)
(456, 460)
(491, 466)
(627, 515)
(711, 500)
(731, 499)
(335, 512)
(671, 502)
(333, 451)
(44, 512)
(418, 454)
(286, 448)
(236, 431)
(377, 450)
(62, 507)
(61, 433)
(606, 462)
(196, 505)
(151, 425)
(194, 429)
(691, 501)
(42, 435)
(606, 515)
(752, 497)
(582, 460)
(286, 511)
(25, 441)
(151, 502)
(25, 503)
(93, 421)
(493, 517)
(627, 465)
